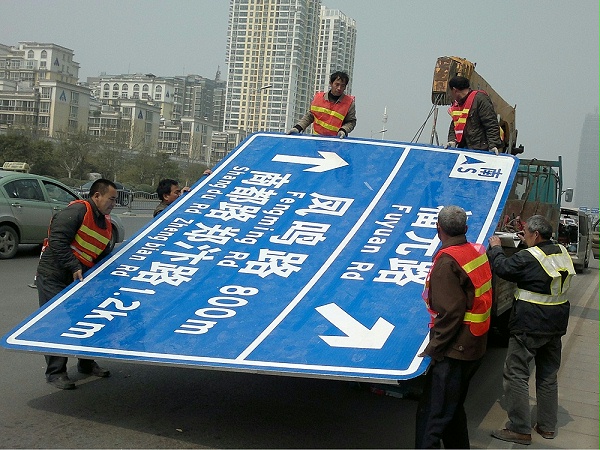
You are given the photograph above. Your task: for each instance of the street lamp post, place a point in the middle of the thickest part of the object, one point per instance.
(254, 97)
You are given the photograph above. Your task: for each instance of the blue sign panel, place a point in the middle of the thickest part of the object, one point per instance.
(299, 255)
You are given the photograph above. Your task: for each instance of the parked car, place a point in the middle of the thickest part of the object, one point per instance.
(124, 194)
(27, 204)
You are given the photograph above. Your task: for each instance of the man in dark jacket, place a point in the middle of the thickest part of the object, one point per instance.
(474, 121)
(71, 250)
(459, 297)
(538, 320)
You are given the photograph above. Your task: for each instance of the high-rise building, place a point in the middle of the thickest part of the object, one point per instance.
(586, 185)
(337, 47)
(271, 58)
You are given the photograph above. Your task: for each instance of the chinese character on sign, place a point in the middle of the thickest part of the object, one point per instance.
(229, 211)
(271, 262)
(165, 273)
(304, 233)
(214, 234)
(404, 271)
(324, 204)
(251, 195)
(194, 258)
(267, 179)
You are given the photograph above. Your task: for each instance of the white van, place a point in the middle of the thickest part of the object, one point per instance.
(574, 233)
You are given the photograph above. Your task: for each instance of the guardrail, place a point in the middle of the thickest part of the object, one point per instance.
(140, 200)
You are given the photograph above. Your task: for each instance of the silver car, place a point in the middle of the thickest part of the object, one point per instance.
(27, 204)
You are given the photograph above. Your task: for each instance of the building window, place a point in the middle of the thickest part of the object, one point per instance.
(116, 87)
(136, 88)
(75, 98)
(44, 54)
(125, 87)
(145, 88)
(30, 54)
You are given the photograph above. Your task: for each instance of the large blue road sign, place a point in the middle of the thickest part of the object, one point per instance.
(299, 255)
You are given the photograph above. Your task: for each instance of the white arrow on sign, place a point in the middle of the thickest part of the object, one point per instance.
(328, 161)
(357, 335)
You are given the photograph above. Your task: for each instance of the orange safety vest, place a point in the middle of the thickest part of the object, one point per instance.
(329, 117)
(459, 114)
(473, 260)
(90, 240)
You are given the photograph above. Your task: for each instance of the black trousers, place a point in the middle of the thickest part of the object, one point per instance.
(56, 366)
(441, 413)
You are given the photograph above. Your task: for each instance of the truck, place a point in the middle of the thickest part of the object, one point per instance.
(537, 188)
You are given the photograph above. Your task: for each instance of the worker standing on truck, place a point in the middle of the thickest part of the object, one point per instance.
(458, 294)
(332, 113)
(474, 122)
(538, 319)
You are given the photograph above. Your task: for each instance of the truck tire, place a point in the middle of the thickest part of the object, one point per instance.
(9, 242)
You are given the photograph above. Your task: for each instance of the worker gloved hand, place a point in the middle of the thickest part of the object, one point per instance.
(341, 133)
(494, 150)
(293, 131)
(450, 144)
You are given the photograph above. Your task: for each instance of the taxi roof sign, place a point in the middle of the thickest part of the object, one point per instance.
(15, 166)
(298, 255)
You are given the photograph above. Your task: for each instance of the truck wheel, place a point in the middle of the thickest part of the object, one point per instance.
(9, 242)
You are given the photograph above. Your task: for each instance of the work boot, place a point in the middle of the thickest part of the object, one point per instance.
(61, 382)
(512, 436)
(544, 434)
(93, 369)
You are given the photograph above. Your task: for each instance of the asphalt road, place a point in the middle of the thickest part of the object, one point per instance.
(152, 406)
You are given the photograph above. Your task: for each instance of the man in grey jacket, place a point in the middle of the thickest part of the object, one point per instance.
(538, 320)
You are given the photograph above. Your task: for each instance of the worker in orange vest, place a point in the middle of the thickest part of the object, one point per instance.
(458, 295)
(474, 122)
(331, 113)
(78, 238)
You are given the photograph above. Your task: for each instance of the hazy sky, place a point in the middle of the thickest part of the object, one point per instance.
(541, 55)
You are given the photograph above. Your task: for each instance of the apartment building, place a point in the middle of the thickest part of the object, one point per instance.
(190, 107)
(39, 91)
(337, 47)
(271, 57)
(131, 123)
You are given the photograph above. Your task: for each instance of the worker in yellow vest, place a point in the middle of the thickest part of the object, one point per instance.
(331, 113)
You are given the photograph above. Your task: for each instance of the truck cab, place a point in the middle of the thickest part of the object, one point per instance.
(574, 231)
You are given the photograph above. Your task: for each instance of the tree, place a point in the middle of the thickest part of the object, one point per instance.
(38, 153)
(72, 152)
